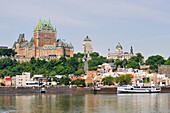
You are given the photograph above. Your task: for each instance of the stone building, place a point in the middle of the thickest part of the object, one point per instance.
(43, 43)
(119, 54)
(164, 69)
(87, 46)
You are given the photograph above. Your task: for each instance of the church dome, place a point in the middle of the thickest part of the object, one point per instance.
(119, 46)
(87, 39)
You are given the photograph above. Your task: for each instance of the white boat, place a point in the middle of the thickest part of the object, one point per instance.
(138, 89)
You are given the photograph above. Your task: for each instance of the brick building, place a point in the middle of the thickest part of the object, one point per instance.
(43, 43)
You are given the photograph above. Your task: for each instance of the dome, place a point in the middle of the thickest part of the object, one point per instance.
(87, 39)
(119, 46)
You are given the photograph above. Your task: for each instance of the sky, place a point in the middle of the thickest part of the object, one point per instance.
(144, 24)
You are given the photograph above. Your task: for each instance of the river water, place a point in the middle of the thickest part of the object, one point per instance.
(85, 103)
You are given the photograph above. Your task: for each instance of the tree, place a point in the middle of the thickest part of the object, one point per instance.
(94, 62)
(52, 73)
(155, 61)
(79, 82)
(167, 62)
(133, 62)
(79, 55)
(65, 80)
(108, 80)
(94, 54)
(123, 80)
(140, 58)
(63, 60)
(79, 72)
(7, 52)
(32, 61)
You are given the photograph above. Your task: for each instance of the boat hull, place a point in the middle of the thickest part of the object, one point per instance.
(137, 90)
(122, 91)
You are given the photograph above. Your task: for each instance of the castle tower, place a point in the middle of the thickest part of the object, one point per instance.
(44, 34)
(87, 46)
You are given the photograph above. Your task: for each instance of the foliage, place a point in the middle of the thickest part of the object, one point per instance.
(53, 67)
(155, 61)
(7, 52)
(79, 72)
(123, 80)
(167, 62)
(135, 61)
(94, 54)
(108, 80)
(95, 61)
(121, 63)
(79, 55)
(64, 81)
(79, 82)
(2, 84)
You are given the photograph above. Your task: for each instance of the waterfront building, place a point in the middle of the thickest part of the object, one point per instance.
(22, 79)
(119, 54)
(43, 44)
(168, 80)
(87, 46)
(14, 81)
(8, 81)
(88, 80)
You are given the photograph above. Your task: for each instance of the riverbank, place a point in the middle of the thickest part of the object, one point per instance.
(66, 89)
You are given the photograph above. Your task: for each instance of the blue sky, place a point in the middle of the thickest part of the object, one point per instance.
(145, 24)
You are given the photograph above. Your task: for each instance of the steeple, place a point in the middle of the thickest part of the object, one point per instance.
(131, 50)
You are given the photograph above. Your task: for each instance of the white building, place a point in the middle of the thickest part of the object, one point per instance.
(119, 53)
(22, 79)
(87, 46)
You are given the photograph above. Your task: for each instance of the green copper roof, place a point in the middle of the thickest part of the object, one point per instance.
(49, 47)
(42, 25)
(21, 36)
(32, 39)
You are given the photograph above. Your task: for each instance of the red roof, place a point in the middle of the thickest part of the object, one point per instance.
(128, 74)
(8, 78)
(75, 78)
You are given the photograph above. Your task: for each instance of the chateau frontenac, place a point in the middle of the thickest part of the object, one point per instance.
(43, 43)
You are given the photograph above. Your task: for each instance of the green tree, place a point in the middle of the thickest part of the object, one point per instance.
(7, 52)
(123, 80)
(79, 82)
(52, 73)
(79, 55)
(108, 80)
(79, 72)
(94, 54)
(167, 62)
(65, 80)
(154, 62)
(32, 61)
(140, 58)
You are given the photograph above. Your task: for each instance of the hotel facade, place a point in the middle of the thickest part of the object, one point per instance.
(43, 43)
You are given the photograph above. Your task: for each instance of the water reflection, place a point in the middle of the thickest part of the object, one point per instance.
(88, 103)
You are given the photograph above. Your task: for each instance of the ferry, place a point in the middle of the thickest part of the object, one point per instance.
(138, 89)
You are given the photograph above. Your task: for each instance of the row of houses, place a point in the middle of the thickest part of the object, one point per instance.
(139, 77)
(27, 79)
